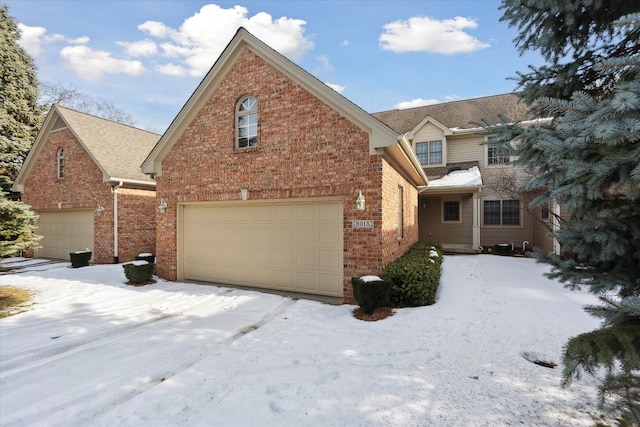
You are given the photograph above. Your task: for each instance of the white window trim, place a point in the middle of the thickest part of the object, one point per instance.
(451, 199)
(486, 157)
(239, 114)
(400, 212)
(443, 140)
(60, 163)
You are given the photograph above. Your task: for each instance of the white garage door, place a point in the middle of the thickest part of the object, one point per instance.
(64, 232)
(283, 245)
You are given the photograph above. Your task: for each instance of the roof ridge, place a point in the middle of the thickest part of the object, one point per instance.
(446, 102)
(93, 116)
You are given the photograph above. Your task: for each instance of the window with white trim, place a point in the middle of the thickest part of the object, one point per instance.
(496, 154)
(501, 212)
(247, 123)
(429, 153)
(400, 211)
(60, 163)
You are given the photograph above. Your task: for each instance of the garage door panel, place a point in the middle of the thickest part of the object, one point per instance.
(306, 235)
(329, 259)
(65, 231)
(306, 213)
(283, 257)
(283, 212)
(285, 245)
(329, 235)
(328, 212)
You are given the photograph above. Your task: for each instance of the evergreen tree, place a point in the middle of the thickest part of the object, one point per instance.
(588, 160)
(17, 229)
(572, 37)
(20, 116)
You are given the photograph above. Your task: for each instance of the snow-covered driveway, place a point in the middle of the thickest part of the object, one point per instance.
(93, 351)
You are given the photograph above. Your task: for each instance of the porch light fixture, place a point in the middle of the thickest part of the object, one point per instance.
(162, 207)
(244, 193)
(360, 203)
(99, 208)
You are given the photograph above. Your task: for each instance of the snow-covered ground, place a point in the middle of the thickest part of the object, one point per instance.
(93, 351)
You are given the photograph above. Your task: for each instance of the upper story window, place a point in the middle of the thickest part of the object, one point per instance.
(429, 153)
(60, 163)
(497, 155)
(247, 123)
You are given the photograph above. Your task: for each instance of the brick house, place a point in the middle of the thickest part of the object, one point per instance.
(269, 178)
(82, 178)
(471, 203)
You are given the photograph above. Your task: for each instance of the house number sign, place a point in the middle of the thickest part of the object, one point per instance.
(361, 223)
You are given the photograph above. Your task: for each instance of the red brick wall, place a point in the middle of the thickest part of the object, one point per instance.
(136, 223)
(392, 245)
(83, 187)
(305, 149)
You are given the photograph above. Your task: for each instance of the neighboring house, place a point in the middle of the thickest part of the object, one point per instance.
(269, 178)
(82, 178)
(471, 202)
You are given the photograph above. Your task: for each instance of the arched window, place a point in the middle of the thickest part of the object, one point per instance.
(60, 163)
(247, 123)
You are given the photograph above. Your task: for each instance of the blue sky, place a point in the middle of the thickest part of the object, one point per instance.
(147, 57)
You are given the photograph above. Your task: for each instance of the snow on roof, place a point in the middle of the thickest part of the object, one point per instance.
(461, 178)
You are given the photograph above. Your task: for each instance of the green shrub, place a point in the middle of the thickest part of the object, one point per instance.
(139, 273)
(371, 295)
(415, 276)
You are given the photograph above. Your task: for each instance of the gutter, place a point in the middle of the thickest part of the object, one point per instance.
(120, 181)
(116, 260)
(408, 151)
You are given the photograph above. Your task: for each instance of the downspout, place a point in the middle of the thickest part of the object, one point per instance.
(116, 260)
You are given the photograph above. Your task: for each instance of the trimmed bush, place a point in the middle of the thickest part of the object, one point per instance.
(139, 273)
(371, 295)
(415, 276)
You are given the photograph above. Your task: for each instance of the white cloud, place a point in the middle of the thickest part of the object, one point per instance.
(418, 102)
(425, 34)
(141, 48)
(155, 29)
(344, 43)
(172, 70)
(202, 37)
(92, 65)
(79, 40)
(338, 88)
(32, 39)
(325, 65)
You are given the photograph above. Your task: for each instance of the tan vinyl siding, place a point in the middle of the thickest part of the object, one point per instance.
(429, 132)
(454, 233)
(542, 234)
(465, 150)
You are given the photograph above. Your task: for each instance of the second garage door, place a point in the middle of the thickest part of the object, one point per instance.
(64, 231)
(283, 245)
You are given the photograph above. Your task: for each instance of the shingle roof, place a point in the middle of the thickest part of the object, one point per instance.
(457, 114)
(118, 149)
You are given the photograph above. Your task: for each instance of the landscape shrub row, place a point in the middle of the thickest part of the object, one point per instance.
(410, 281)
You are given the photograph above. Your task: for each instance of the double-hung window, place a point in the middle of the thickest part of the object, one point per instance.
(496, 154)
(429, 153)
(501, 212)
(247, 123)
(400, 212)
(60, 163)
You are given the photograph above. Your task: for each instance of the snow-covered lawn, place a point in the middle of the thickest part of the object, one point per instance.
(93, 351)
